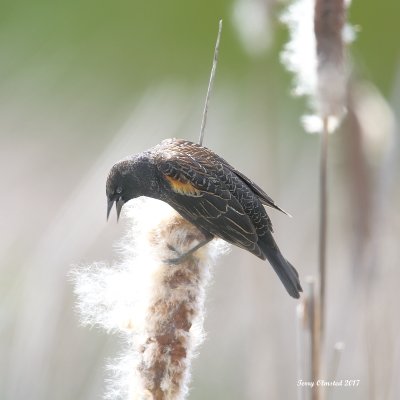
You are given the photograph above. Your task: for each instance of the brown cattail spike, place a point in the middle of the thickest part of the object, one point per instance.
(175, 307)
(329, 22)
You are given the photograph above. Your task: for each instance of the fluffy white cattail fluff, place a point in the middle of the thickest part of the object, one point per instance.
(158, 307)
(316, 55)
(252, 20)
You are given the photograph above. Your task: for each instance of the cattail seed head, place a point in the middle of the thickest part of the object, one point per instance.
(329, 21)
(158, 307)
(316, 54)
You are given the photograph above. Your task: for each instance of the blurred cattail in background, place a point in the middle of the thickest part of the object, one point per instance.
(253, 22)
(316, 54)
(370, 131)
(370, 136)
(156, 306)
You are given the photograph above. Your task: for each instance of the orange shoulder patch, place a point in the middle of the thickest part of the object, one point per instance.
(182, 188)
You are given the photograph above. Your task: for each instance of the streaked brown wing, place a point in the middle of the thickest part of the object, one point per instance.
(198, 194)
(226, 222)
(264, 198)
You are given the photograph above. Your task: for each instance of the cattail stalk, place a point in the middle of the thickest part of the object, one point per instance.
(313, 327)
(308, 343)
(156, 305)
(316, 54)
(301, 345)
(323, 219)
(329, 19)
(334, 365)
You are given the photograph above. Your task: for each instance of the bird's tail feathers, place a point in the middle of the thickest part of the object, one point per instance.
(286, 272)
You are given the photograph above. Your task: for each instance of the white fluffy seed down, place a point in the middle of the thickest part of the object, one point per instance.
(158, 307)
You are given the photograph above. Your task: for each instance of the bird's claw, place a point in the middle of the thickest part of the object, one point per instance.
(176, 260)
(184, 256)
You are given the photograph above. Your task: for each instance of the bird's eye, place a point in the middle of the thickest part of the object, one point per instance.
(118, 190)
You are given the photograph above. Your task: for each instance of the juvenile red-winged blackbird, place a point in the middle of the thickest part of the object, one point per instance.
(209, 193)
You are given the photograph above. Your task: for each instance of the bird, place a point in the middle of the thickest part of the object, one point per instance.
(209, 193)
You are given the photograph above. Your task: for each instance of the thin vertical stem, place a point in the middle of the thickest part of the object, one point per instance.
(301, 348)
(210, 83)
(313, 314)
(323, 222)
(337, 355)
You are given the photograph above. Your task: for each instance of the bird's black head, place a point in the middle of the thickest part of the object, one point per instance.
(126, 180)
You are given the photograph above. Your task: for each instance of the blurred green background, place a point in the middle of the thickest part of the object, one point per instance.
(84, 83)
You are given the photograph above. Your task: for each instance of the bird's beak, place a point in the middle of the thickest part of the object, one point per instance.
(118, 205)
(110, 203)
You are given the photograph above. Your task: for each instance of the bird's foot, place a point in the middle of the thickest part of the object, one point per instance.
(176, 260)
(184, 256)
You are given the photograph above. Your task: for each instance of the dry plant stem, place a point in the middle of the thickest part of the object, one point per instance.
(166, 350)
(210, 83)
(323, 222)
(337, 355)
(314, 330)
(301, 347)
